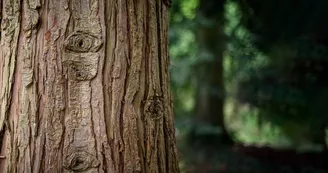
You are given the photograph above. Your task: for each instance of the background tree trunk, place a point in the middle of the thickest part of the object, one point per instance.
(85, 87)
(210, 92)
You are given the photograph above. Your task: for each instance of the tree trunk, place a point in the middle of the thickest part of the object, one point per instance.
(85, 87)
(210, 82)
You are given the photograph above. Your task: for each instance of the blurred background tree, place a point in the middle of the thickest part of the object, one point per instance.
(209, 81)
(251, 71)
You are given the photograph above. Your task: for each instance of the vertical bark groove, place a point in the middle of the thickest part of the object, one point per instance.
(10, 32)
(91, 91)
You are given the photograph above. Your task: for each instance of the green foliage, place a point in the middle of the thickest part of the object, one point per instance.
(276, 73)
(242, 56)
(290, 88)
(182, 54)
(275, 63)
(188, 8)
(253, 133)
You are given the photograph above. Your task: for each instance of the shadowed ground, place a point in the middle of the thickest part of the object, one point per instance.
(250, 159)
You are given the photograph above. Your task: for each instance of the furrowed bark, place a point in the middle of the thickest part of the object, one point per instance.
(85, 87)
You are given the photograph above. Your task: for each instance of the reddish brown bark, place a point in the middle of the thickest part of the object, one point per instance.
(85, 87)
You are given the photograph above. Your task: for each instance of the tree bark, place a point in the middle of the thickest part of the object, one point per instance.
(85, 87)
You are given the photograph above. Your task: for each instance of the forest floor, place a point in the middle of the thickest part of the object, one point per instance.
(238, 158)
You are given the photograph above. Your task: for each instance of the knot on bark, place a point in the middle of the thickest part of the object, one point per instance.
(81, 42)
(155, 107)
(82, 67)
(80, 161)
